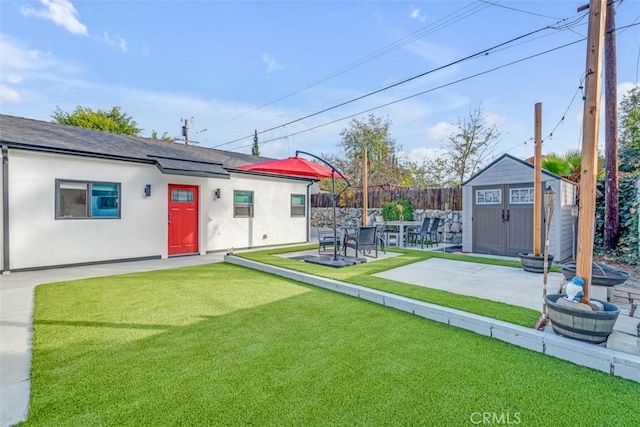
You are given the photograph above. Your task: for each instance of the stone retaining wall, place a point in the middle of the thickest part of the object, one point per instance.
(450, 221)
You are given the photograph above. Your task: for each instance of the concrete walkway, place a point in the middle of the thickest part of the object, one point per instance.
(16, 314)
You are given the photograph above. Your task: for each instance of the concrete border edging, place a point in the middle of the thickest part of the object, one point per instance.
(613, 362)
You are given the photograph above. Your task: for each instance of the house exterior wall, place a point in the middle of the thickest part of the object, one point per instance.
(38, 239)
(2, 219)
(271, 224)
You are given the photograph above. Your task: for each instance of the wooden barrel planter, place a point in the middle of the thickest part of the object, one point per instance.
(591, 326)
(532, 263)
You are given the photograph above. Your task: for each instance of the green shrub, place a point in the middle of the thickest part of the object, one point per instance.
(627, 248)
(391, 211)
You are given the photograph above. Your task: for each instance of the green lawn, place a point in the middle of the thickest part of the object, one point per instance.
(223, 345)
(362, 274)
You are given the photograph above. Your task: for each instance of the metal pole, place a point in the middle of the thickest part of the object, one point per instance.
(335, 228)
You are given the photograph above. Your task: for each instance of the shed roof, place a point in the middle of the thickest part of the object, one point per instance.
(171, 158)
(509, 156)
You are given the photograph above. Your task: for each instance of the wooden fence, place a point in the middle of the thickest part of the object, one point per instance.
(434, 198)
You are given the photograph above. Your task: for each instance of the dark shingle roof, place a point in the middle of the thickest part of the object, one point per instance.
(173, 158)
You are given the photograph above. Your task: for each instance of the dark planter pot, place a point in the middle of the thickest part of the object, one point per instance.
(590, 326)
(601, 274)
(532, 263)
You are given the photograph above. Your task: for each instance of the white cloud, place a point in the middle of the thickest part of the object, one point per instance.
(440, 131)
(433, 52)
(115, 41)
(272, 64)
(624, 88)
(11, 78)
(15, 57)
(61, 12)
(8, 94)
(493, 119)
(21, 66)
(420, 154)
(417, 15)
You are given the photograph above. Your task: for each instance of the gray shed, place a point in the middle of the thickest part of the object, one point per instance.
(497, 210)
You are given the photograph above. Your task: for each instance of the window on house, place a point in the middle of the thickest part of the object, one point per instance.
(489, 197)
(80, 199)
(181, 196)
(521, 196)
(298, 207)
(243, 204)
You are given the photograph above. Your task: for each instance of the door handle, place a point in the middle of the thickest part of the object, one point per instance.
(502, 215)
(508, 215)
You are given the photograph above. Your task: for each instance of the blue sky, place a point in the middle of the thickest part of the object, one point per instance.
(218, 63)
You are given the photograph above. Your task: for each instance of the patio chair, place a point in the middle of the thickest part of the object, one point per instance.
(365, 240)
(386, 232)
(428, 231)
(326, 240)
(381, 235)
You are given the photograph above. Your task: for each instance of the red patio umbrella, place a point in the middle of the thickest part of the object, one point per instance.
(291, 166)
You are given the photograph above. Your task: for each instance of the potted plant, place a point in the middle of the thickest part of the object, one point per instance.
(398, 210)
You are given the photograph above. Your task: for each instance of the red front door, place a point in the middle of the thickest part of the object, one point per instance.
(183, 219)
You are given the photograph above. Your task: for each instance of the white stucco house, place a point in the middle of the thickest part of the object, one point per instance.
(75, 196)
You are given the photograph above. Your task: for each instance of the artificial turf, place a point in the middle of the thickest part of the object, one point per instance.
(223, 345)
(362, 274)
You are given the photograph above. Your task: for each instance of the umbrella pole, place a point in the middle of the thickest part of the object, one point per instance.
(335, 229)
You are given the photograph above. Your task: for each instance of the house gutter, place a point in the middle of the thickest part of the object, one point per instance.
(309, 210)
(5, 208)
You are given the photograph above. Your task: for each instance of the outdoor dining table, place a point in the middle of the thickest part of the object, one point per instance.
(403, 226)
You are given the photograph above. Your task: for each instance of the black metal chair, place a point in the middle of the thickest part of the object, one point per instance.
(366, 239)
(326, 240)
(429, 231)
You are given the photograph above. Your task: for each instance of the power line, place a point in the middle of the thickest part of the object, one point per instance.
(425, 91)
(518, 10)
(466, 58)
(420, 33)
(418, 94)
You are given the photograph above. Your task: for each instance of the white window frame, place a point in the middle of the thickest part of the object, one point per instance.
(512, 193)
(489, 200)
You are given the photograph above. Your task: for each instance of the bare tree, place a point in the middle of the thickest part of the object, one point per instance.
(470, 145)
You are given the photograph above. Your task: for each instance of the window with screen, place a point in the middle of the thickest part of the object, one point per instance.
(298, 205)
(84, 199)
(243, 204)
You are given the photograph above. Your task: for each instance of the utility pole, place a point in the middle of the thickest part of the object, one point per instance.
(185, 132)
(591, 121)
(537, 181)
(611, 219)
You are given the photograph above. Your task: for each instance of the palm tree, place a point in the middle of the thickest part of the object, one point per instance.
(568, 165)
